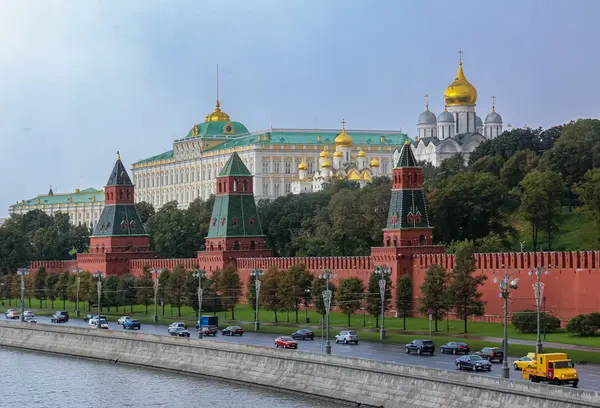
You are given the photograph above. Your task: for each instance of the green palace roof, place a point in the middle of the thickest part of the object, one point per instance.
(238, 136)
(89, 195)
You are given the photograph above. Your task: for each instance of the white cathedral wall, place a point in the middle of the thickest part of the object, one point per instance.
(464, 118)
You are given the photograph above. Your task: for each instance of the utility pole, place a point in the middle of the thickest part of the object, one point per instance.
(200, 274)
(156, 273)
(383, 272)
(22, 272)
(76, 270)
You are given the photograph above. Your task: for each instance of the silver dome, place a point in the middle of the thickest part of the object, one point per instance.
(427, 118)
(493, 117)
(445, 116)
(478, 121)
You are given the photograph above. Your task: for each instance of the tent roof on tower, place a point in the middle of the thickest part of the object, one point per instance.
(407, 158)
(234, 167)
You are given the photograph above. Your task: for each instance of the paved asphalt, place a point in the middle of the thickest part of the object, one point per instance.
(589, 374)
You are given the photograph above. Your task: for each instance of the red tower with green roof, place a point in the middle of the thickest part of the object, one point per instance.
(234, 230)
(119, 234)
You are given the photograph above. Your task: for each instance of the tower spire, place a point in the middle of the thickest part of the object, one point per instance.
(118, 155)
(460, 53)
(218, 103)
(493, 104)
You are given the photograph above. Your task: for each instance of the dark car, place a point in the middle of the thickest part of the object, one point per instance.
(232, 331)
(420, 347)
(208, 330)
(455, 347)
(179, 332)
(473, 362)
(60, 317)
(491, 354)
(133, 324)
(303, 334)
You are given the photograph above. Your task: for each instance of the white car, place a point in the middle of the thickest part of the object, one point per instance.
(347, 336)
(12, 314)
(29, 319)
(28, 313)
(122, 319)
(175, 326)
(98, 324)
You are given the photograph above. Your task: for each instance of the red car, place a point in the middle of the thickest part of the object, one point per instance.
(286, 342)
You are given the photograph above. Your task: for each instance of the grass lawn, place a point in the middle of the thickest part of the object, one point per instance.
(577, 231)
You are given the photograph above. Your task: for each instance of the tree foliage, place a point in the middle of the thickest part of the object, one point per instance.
(463, 290)
(350, 295)
(434, 292)
(318, 287)
(373, 298)
(230, 286)
(293, 287)
(270, 290)
(589, 192)
(404, 297)
(584, 324)
(526, 321)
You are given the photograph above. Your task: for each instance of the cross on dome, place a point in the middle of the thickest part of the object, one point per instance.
(426, 102)
(460, 53)
(493, 104)
(343, 123)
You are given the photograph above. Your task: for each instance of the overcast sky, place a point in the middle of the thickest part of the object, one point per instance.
(82, 79)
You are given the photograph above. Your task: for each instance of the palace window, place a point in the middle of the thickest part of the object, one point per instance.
(265, 167)
(288, 167)
(277, 167)
(276, 188)
(310, 167)
(288, 188)
(266, 189)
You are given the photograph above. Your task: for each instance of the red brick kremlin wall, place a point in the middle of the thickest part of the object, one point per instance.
(571, 288)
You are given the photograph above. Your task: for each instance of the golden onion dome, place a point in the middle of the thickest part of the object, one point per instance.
(326, 163)
(338, 154)
(217, 115)
(374, 162)
(361, 153)
(461, 91)
(324, 153)
(343, 139)
(302, 165)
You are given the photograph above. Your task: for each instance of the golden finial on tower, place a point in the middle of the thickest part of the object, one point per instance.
(343, 124)
(118, 155)
(493, 104)
(427, 103)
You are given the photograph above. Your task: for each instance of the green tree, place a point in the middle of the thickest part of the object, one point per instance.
(589, 192)
(198, 216)
(404, 297)
(468, 205)
(110, 290)
(211, 300)
(52, 287)
(163, 292)
(517, 166)
(15, 248)
(270, 290)
(251, 293)
(464, 286)
(145, 288)
(40, 285)
(231, 287)
(128, 290)
(172, 235)
(145, 210)
(488, 164)
(374, 297)
(540, 193)
(350, 294)
(318, 287)
(63, 288)
(84, 287)
(293, 286)
(6, 287)
(434, 292)
(29, 287)
(177, 287)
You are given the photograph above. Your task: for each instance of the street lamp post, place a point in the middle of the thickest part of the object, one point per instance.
(156, 273)
(505, 286)
(256, 274)
(200, 274)
(99, 275)
(327, 295)
(76, 270)
(22, 272)
(538, 302)
(306, 297)
(383, 272)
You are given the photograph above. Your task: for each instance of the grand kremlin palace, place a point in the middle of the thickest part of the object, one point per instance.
(286, 161)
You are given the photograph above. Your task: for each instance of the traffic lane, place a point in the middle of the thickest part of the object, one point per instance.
(395, 353)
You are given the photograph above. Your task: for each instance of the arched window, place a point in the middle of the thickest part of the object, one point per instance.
(235, 183)
(395, 241)
(252, 245)
(219, 246)
(422, 240)
(236, 245)
(388, 241)
(219, 186)
(127, 193)
(245, 184)
(121, 194)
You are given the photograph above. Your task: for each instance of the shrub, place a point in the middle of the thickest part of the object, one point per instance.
(584, 324)
(526, 321)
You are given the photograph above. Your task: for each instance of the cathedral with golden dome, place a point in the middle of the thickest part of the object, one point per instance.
(457, 129)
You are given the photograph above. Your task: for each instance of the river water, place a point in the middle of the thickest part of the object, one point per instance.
(42, 380)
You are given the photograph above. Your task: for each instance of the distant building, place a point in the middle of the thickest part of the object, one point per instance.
(83, 206)
(2, 220)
